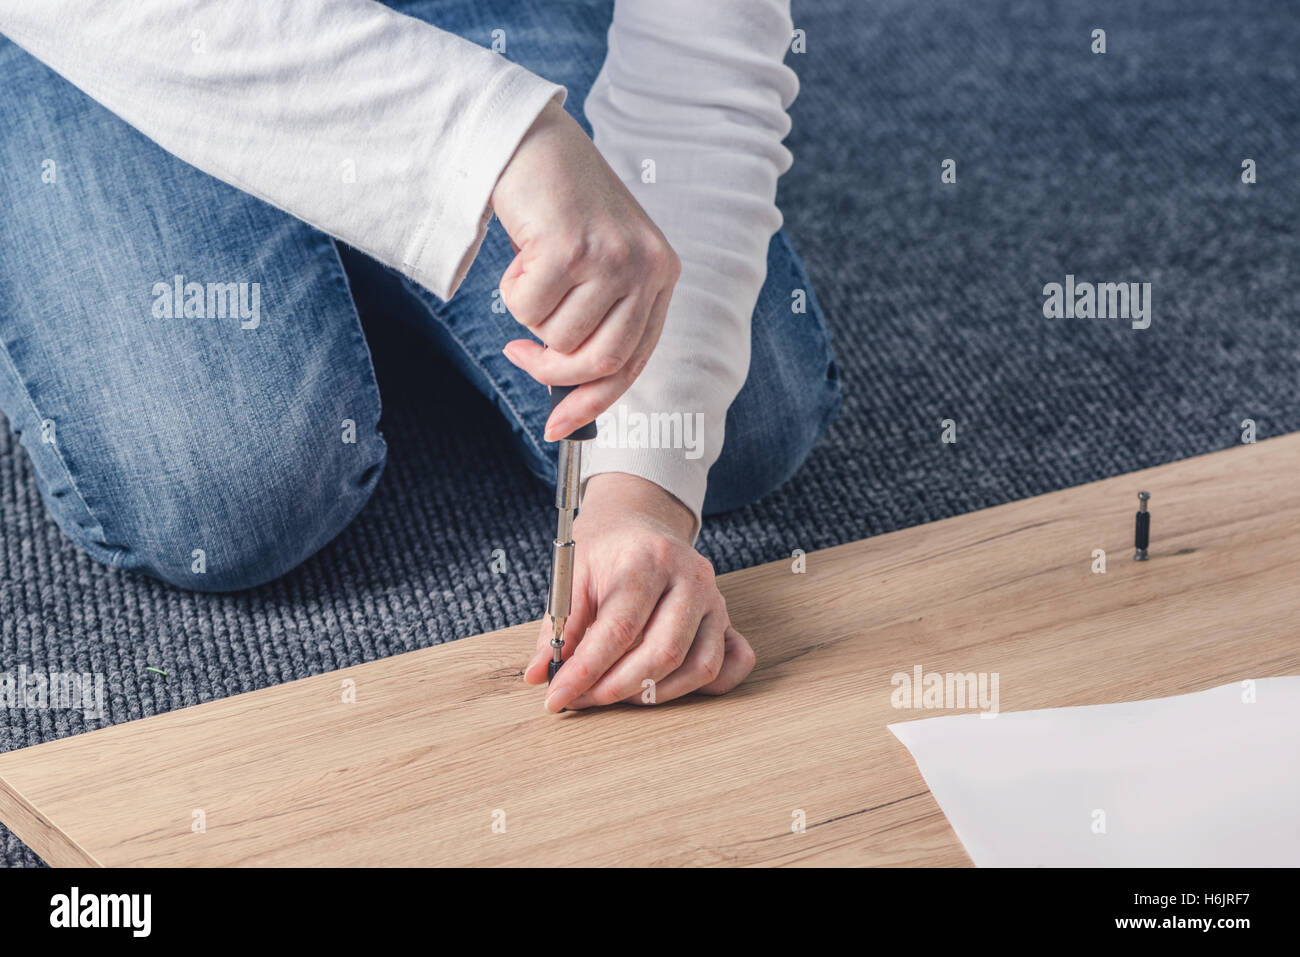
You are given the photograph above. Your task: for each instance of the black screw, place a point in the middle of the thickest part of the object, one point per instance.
(1142, 532)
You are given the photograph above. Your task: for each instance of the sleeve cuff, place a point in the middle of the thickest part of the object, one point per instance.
(450, 239)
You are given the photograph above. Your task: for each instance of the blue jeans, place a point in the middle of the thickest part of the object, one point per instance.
(218, 453)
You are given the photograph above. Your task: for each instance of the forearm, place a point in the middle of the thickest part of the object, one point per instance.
(707, 107)
(370, 125)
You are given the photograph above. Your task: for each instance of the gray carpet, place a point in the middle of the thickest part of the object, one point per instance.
(1116, 167)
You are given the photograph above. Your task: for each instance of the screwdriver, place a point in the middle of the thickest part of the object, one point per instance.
(567, 481)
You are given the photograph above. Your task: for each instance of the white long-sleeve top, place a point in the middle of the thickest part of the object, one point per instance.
(390, 134)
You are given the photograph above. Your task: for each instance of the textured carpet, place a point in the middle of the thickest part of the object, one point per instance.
(1117, 167)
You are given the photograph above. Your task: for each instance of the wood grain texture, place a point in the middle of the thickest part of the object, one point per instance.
(439, 739)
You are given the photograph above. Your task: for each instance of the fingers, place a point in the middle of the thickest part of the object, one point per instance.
(719, 660)
(619, 622)
(592, 267)
(603, 354)
(591, 399)
(736, 665)
(669, 638)
(584, 404)
(702, 665)
(586, 307)
(599, 329)
(531, 288)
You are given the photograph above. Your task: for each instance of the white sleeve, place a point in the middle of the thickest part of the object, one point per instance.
(699, 90)
(368, 124)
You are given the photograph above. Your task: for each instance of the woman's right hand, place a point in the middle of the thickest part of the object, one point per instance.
(592, 276)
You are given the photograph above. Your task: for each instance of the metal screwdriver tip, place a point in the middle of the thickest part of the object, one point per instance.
(557, 646)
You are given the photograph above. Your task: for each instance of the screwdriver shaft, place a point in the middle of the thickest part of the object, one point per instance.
(566, 504)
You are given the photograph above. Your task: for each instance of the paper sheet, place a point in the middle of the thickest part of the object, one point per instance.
(1204, 779)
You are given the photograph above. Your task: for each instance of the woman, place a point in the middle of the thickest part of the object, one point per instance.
(226, 152)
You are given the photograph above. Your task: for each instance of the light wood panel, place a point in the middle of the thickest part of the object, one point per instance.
(439, 739)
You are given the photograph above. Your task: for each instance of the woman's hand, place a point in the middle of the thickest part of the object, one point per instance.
(645, 606)
(592, 276)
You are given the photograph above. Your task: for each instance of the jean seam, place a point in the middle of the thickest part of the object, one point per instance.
(359, 336)
(487, 374)
(116, 551)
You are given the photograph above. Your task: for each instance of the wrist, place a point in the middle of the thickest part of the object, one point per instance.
(614, 496)
(539, 139)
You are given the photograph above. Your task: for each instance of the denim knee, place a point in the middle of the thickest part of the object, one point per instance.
(764, 448)
(246, 517)
(790, 396)
(214, 495)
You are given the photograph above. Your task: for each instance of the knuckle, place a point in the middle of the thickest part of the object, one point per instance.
(670, 657)
(563, 339)
(530, 317)
(579, 671)
(661, 257)
(573, 255)
(711, 666)
(625, 351)
(703, 570)
(660, 550)
(521, 309)
(615, 250)
(658, 254)
(622, 631)
(607, 363)
(674, 266)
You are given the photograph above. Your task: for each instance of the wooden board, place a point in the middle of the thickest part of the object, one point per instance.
(441, 740)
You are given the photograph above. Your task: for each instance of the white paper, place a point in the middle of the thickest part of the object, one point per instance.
(1204, 779)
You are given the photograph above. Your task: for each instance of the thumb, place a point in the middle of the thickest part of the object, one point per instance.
(510, 278)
